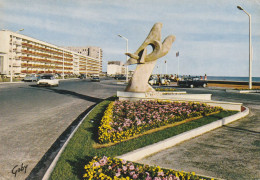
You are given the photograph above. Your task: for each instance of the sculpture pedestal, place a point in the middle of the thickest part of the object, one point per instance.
(166, 95)
(139, 81)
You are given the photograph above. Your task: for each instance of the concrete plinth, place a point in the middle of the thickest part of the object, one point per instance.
(175, 95)
(178, 96)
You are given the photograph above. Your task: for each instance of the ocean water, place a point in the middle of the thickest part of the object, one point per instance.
(230, 78)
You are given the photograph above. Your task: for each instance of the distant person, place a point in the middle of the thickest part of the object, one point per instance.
(159, 80)
(205, 77)
(201, 78)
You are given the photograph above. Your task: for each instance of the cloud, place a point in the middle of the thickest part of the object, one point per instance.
(206, 31)
(43, 24)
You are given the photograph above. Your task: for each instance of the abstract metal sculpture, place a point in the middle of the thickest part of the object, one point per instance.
(146, 62)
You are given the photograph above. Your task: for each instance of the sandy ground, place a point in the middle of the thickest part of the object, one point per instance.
(233, 86)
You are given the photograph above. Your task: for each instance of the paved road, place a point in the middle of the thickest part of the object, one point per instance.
(231, 152)
(32, 118)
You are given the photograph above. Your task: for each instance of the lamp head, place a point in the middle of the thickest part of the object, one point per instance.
(240, 8)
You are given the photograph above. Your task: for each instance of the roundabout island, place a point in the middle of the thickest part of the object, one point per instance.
(139, 122)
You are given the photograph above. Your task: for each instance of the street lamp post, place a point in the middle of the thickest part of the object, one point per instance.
(250, 48)
(62, 64)
(12, 36)
(126, 55)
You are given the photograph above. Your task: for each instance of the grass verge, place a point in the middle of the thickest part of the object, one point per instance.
(80, 150)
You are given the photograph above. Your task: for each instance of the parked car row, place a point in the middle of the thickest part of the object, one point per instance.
(42, 79)
(158, 81)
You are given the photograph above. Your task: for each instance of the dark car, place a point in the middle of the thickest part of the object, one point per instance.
(192, 82)
(120, 77)
(82, 76)
(95, 79)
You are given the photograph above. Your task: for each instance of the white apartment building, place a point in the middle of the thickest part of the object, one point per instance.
(91, 51)
(115, 68)
(22, 54)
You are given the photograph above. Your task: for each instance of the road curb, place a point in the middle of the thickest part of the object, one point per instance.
(54, 162)
(18, 82)
(167, 143)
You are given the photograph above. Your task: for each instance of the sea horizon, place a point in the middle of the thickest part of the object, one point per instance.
(233, 78)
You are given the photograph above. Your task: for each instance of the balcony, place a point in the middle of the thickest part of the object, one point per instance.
(17, 50)
(18, 43)
(16, 69)
(26, 44)
(16, 64)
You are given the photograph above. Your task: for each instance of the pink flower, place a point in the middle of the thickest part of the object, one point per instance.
(148, 178)
(103, 161)
(96, 164)
(124, 161)
(157, 178)
(132, 173)
(132, 167)
(135, 176)
(160, 173)
(124, 168)
(118, 174)
(138, 122)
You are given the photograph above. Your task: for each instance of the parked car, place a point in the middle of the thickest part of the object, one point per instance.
(165, 81)
(82, 76)
(193, 82)
(153, 81)
(22, 75)
(30, 77)
(48, 80)
(95, 79)
(120, 77)
(157, 81)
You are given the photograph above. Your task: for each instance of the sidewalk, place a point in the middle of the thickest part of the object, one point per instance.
(17, 82)
(12, 82)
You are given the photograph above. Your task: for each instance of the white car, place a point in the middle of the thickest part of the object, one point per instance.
(48, 80)
(152, 81)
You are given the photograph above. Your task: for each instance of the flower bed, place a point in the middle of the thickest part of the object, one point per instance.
(124, 119)
(113, 168)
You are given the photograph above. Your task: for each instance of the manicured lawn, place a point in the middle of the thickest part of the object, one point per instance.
(80, 151)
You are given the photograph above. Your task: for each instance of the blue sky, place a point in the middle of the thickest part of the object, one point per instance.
(211, 35)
